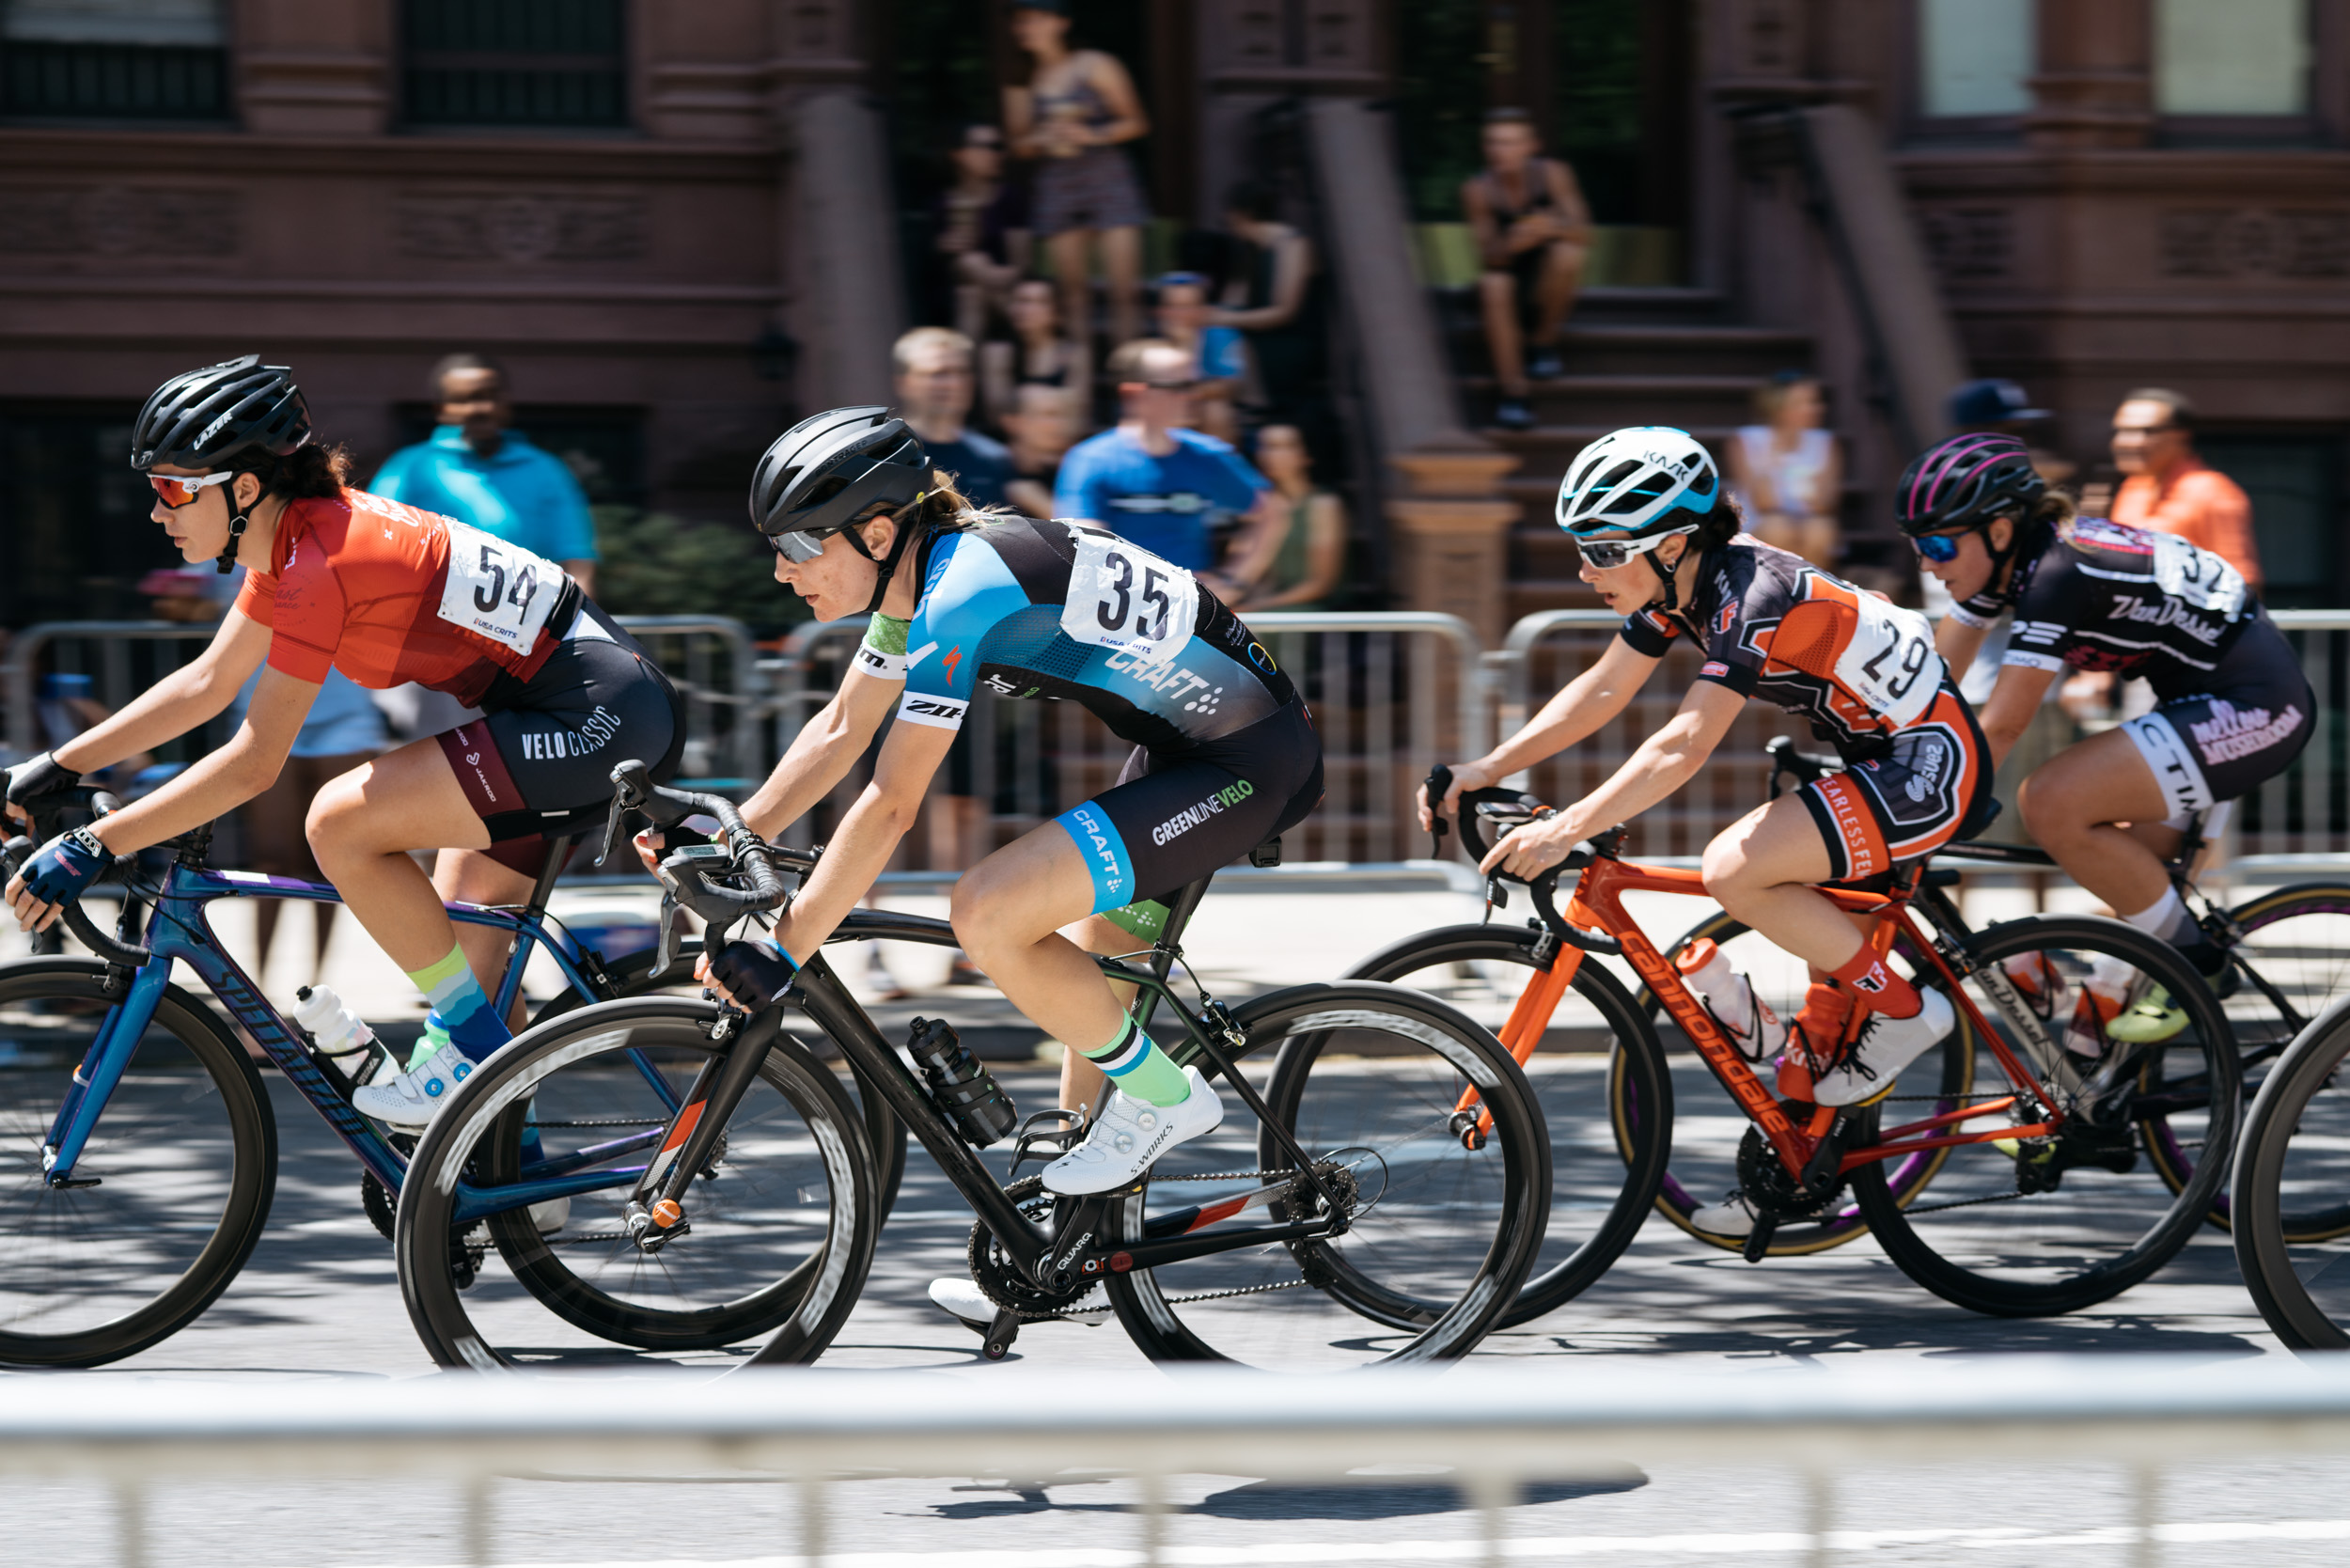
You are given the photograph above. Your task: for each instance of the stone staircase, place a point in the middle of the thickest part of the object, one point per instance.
(1633, 356)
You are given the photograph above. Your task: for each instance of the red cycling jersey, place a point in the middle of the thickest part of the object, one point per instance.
(388, 594)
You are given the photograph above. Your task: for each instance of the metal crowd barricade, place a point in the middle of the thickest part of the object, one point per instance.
(1392, 694)
(1485, 1430)
(2307, 810)
(708, 658)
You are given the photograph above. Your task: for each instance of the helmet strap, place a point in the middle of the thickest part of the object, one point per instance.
(1669, 576)
(886, 567)
(227, 558)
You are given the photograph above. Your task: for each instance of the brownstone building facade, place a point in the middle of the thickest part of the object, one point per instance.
(675, 223)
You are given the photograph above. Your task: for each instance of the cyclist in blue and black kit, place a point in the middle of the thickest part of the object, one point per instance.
(1225, 756)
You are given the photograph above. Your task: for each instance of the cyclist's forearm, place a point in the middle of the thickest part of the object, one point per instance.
(853, 860)
(210, 788)
(165, 711)
(1665, 762)
(1582, 706)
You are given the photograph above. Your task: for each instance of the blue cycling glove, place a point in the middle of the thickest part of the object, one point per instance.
(753, 973)
(62, 869)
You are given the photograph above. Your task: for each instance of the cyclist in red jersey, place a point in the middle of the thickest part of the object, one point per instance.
(339, 578)
(1662, 545)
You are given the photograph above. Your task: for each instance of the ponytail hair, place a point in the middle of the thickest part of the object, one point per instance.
(945, 510)
(311, 472)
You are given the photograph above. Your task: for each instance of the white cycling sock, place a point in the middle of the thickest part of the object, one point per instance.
(2166, 918)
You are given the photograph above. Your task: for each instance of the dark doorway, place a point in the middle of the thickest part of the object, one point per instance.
(2295, 485)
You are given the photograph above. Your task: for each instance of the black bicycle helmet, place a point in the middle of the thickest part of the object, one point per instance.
(834, 469)
(1966, 481)
(197, 420)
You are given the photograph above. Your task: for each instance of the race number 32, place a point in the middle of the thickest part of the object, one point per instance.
(1123, 597)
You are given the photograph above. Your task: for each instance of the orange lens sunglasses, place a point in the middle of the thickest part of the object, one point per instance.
(179, 489)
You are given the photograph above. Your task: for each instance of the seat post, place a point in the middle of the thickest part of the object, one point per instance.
(558, 857)
(1179, 911)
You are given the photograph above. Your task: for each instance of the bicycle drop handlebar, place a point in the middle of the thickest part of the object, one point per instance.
(748, 856)
(18, 849)
(1513, 808)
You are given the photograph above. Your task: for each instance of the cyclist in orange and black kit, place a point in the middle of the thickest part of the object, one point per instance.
(340, 579)
(1662, 544)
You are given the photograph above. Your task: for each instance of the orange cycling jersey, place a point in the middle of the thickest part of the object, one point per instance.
(388, 594)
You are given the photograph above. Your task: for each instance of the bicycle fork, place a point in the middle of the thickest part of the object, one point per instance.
(655, 1214)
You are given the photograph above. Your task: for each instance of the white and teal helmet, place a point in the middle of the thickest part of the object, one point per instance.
(1640, 482)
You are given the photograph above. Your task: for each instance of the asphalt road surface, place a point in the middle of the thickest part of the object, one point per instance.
(318, 1301)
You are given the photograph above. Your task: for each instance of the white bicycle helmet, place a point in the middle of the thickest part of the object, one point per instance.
(1647, 480)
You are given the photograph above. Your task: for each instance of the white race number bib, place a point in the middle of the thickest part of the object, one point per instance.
(1123, 597)
(498, 591)
(1890, 663)
(2196, 578)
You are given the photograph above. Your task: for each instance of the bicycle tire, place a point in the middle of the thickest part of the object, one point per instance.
(2281, 1283)
(1584, 1118)
(632, 975)
(184, 1041)
(783, 1254)
(1443, 1275)
(2052, 1252)
(1676, 1200)
(2310, 969)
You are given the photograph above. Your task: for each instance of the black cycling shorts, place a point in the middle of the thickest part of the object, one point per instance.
(1908, 800)
(538, 764)
(2245, 729)
(1173, 819)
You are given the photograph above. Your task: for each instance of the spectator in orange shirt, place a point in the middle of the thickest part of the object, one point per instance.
(2169, 489)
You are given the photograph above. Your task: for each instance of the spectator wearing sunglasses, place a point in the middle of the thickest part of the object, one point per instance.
(2168, 488)
(1171, 490)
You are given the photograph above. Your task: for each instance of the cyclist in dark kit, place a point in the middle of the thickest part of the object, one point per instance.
(2233, 707)
(1225, 755)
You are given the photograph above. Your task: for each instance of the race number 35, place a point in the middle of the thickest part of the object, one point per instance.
(1123, 597)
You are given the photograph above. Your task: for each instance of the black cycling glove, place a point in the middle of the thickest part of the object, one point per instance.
(753, 973)
(39, 777)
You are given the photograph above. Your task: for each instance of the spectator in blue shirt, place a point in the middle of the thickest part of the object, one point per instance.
(1169, 489)
(935, 386)
(478, 471)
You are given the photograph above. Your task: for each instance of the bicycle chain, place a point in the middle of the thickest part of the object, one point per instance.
(1965, 1203)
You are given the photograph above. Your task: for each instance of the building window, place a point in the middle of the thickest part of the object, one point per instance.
(1973, 57)
(76, 517)
(2232, 58)
(519, 63)
(113, 59)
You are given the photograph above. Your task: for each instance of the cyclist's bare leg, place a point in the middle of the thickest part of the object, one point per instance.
(1765, 869)
(2075, 804)
(469, 877)
(1009, 913)
(362, 827)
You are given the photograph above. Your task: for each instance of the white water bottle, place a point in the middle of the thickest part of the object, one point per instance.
(336, 1031)
(1753, 1029)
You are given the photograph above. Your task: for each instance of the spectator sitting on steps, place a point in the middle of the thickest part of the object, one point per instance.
(1534, 231)
(478, 471)
(1785, 470)
(1169, 488)
(2168, 488)
(1310, 556)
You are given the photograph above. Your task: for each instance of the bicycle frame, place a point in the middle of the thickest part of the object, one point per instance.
(179, 928)
(1598, 904)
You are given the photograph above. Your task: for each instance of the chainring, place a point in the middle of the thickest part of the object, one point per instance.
(1766, 1182)
(1000, 1279)
(377, 1200)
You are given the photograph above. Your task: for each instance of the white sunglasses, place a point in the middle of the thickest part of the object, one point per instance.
(1610, 553)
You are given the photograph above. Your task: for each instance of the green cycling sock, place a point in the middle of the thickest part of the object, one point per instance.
(1137, 1067)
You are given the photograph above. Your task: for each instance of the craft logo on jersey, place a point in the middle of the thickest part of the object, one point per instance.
(1168, 678)
(1099, 835)
(2168, 612)
(1192, 816)
(2233, 732)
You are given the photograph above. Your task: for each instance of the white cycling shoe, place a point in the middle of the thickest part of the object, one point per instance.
(1733, 1217)
(409, 1102)
(1129, 1134)
(1885, 1047)
(971, 1306)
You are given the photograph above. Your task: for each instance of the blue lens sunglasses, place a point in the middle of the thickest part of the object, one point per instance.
(1941, 549)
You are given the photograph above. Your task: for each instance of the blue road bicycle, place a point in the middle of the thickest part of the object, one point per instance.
(138, 1148)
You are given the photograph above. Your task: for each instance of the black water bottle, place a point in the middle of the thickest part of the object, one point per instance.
(966, 1091)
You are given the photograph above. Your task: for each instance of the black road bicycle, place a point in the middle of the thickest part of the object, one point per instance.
(1376, 1192)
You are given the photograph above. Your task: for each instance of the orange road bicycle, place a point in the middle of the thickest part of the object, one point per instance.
(2005, 1170)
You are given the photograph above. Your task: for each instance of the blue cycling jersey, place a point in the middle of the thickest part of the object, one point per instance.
(1064, 611)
